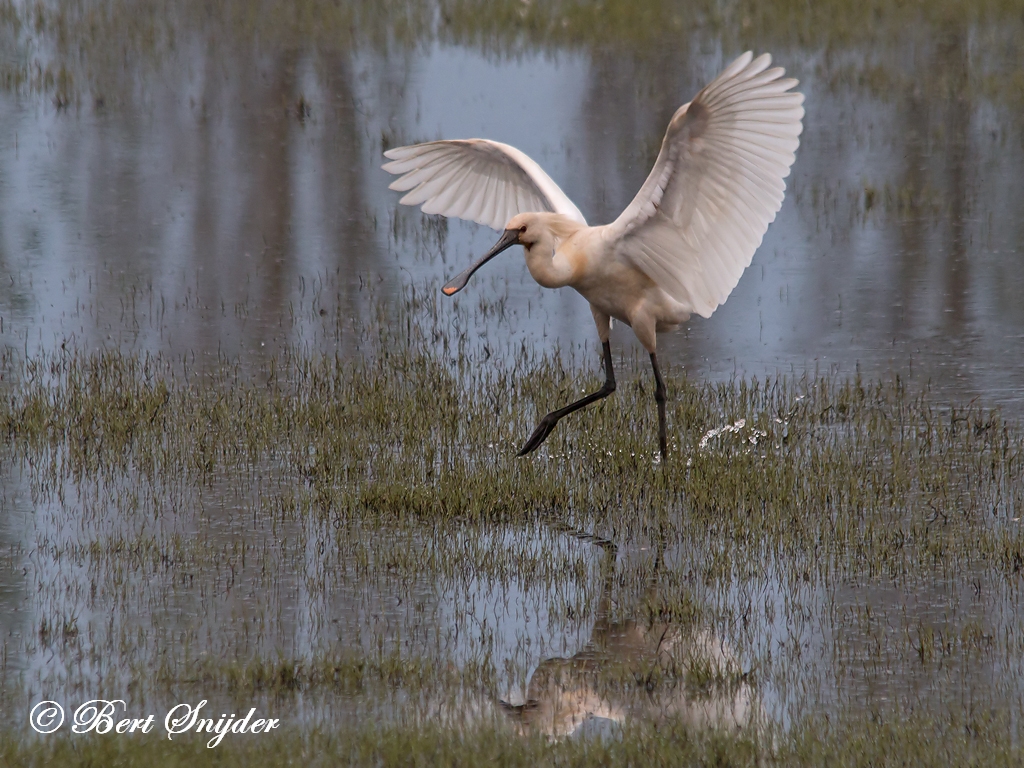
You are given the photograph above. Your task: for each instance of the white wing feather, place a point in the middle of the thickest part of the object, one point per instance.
(475, 179)
(716, 186)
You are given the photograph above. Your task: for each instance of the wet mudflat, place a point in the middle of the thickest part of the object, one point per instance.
(251, 455)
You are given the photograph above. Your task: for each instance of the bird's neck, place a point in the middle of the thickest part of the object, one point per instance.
(550, 259)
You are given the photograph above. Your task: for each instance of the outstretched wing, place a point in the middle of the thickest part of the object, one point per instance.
(475, 179)
(716, 185)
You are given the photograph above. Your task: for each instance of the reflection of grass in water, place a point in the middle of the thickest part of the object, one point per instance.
(342, 673)
(399, 466)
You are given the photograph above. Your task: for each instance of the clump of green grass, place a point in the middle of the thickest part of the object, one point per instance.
(871, 474)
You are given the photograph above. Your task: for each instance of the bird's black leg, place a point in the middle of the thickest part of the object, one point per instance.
(547, 424)
(659, 395)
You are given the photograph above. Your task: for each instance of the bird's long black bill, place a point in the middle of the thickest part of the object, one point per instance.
(456, 284)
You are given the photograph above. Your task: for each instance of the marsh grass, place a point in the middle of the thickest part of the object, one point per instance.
(344, 529)
(64, 49)
(911, 740)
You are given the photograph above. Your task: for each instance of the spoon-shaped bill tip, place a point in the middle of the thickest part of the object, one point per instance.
(457, 283)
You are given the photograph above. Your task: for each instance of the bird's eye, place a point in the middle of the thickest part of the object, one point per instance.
(522, 229)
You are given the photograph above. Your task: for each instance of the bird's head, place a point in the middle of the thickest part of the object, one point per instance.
(526, 226)
(525, 229)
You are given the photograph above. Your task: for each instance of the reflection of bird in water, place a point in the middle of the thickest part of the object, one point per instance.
(645, 672)
(678, 248)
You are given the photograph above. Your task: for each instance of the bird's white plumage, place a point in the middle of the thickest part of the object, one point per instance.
(716, 185)
(475, 179)
(678, 248)
(696, 222)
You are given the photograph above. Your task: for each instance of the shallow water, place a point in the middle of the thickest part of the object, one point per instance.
(233, 192)
(213, 196)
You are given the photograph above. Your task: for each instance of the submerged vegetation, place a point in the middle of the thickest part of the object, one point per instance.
(349, 533)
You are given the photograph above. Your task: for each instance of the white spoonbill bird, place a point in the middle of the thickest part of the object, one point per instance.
(678, 248)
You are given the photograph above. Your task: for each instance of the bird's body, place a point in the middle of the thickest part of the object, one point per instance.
(587, 261)
(678, 249)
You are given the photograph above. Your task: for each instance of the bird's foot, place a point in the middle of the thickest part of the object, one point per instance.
(540, 434)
